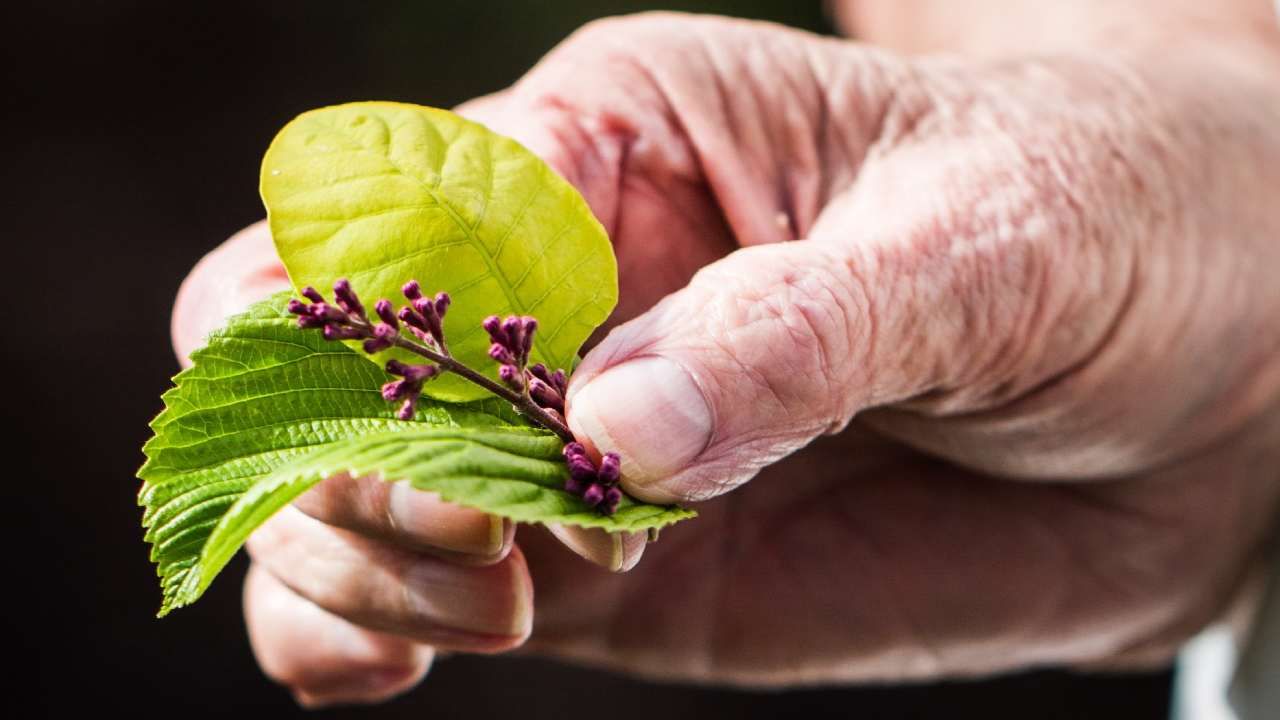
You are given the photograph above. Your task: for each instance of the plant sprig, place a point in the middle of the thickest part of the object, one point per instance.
(266, 412)
(532, 390)
(512, 341)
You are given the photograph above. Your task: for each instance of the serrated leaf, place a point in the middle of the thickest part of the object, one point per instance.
(514, 472)
(267, 410)
(383, 192)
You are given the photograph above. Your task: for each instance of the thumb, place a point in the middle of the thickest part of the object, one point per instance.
(763, 351)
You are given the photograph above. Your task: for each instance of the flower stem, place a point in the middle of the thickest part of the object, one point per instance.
(520, 401)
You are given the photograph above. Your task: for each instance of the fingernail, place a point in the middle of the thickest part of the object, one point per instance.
(429, 520)
(616, 552)
(648, 410)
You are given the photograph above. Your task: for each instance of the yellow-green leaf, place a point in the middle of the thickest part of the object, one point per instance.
(384, 192)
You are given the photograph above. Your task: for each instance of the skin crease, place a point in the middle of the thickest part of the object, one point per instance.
(1044, 284)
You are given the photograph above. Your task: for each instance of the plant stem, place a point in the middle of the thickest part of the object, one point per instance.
(520, 401)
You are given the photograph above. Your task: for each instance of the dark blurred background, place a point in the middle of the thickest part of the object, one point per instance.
(134, 130)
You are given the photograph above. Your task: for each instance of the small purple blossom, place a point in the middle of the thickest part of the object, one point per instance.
(501, 354)
(424, 315)
(511, 344)
(346, 298)
(557, 380)
(384, 336)
(407, 409)
(409, 388)
(610, 469)
(510, 375)
(412, 373)
(612, 499)
(329, 313)
(493, 326)
(387, 313)
(341, 332)
(545, 395)
(528, 326)
(596, 485)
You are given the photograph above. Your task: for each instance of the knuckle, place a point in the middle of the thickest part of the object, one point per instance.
(796, 332)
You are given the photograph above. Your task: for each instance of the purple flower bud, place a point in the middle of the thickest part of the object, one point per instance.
(386, 313)
(307, 322)
(510, 375)
(560, 382)
(410, 317)
(383, 331)
(581, 468)
(511, 327)
(526, 335)
(338, 332)
(545, 395)
(312, 294)
(396, 389)
(297, 307)
(424, 337)
(428, 310)
(406, 410)
(501, 354)
(328, 313)
(442, 303)
(574, 486)
(610, 469)
(556, 415)
(593, 495)
(539, 371)
(395, 367)
(574, 448)
(383, 338)
(412, 290)
(418, 373)
(347, 298)
(493, 326)
(609, 504)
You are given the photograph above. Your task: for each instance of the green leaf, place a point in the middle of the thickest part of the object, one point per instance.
(513, 472)
(384, 192)
(267, 410)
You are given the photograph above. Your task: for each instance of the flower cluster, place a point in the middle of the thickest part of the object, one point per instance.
(512, 339)
(596, 485)
(534, 391)
(347, 320)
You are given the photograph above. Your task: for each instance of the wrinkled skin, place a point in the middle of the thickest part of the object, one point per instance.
(1044, 287)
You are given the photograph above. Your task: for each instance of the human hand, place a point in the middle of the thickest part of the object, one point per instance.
(1042, 286)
